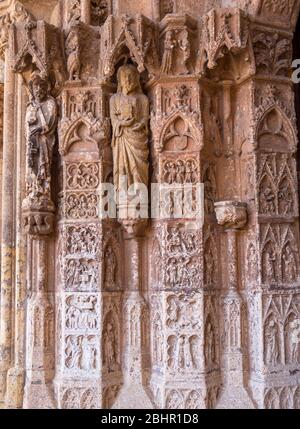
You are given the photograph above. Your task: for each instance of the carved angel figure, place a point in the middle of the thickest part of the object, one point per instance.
(129, 112)
(41, 120)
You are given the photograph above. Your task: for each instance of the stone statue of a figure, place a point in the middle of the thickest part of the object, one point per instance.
(41, 120)
(129, 112)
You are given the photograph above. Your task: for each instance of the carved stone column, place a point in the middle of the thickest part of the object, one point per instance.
(39, 392)
(80, 249)
(176, 276)
(7, 241)
(16, 374)
(38, 219)
(232, 216)
(135, 333)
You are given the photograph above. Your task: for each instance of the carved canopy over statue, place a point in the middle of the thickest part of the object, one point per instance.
(41, 119)
(129, 112)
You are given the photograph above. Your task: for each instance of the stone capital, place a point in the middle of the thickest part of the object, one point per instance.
(231, 214)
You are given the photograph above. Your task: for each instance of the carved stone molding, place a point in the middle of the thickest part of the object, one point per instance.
(127, 37)
(224, 30)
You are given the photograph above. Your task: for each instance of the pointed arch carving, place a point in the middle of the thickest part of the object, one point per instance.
(165, 128)
(125, 27)
(72, 134)
(96, 131)
(275, 132)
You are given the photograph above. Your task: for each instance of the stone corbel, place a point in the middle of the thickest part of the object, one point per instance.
(224, 30)
(231, 214)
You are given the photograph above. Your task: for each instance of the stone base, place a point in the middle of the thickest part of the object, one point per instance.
(234, 398)
(133, 396)
(39, 395)
(15, 388)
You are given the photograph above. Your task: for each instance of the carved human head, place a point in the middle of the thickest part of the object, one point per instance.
(38, 87)
(128, 79)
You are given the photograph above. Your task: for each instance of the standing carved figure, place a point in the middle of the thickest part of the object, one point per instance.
(185, 47)
(271, 343)
(41, 120)
(109, 348)
(73, 52)
(129, 112)
(209, 350)
(294, 341)
(110, 268)
(167, 60)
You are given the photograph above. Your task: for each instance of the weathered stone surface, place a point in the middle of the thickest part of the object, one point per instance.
(104, 308)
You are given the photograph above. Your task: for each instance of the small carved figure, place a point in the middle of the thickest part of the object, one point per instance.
(289, 265)
(267, 200)
(110, 268)
(73, 52)
(185, 46)
(166, 7)
(167, 60)
(209, 266)
(293, 340)
(109, 348)
(209, 350)
(271, 343)
(193, 400)
(99, 12)
(174, 400)
(269, 261)
(285, 198)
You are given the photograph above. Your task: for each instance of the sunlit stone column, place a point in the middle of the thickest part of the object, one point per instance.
(7, 238)
(232, 216)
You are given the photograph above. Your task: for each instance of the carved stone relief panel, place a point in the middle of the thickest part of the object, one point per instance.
(279, 254)
(183, 313)
(276, 178)
(80, 258)
(180, 250)
(79, 398)
(280, 13)
(184, 399)
(284, 398)
(281, 330)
